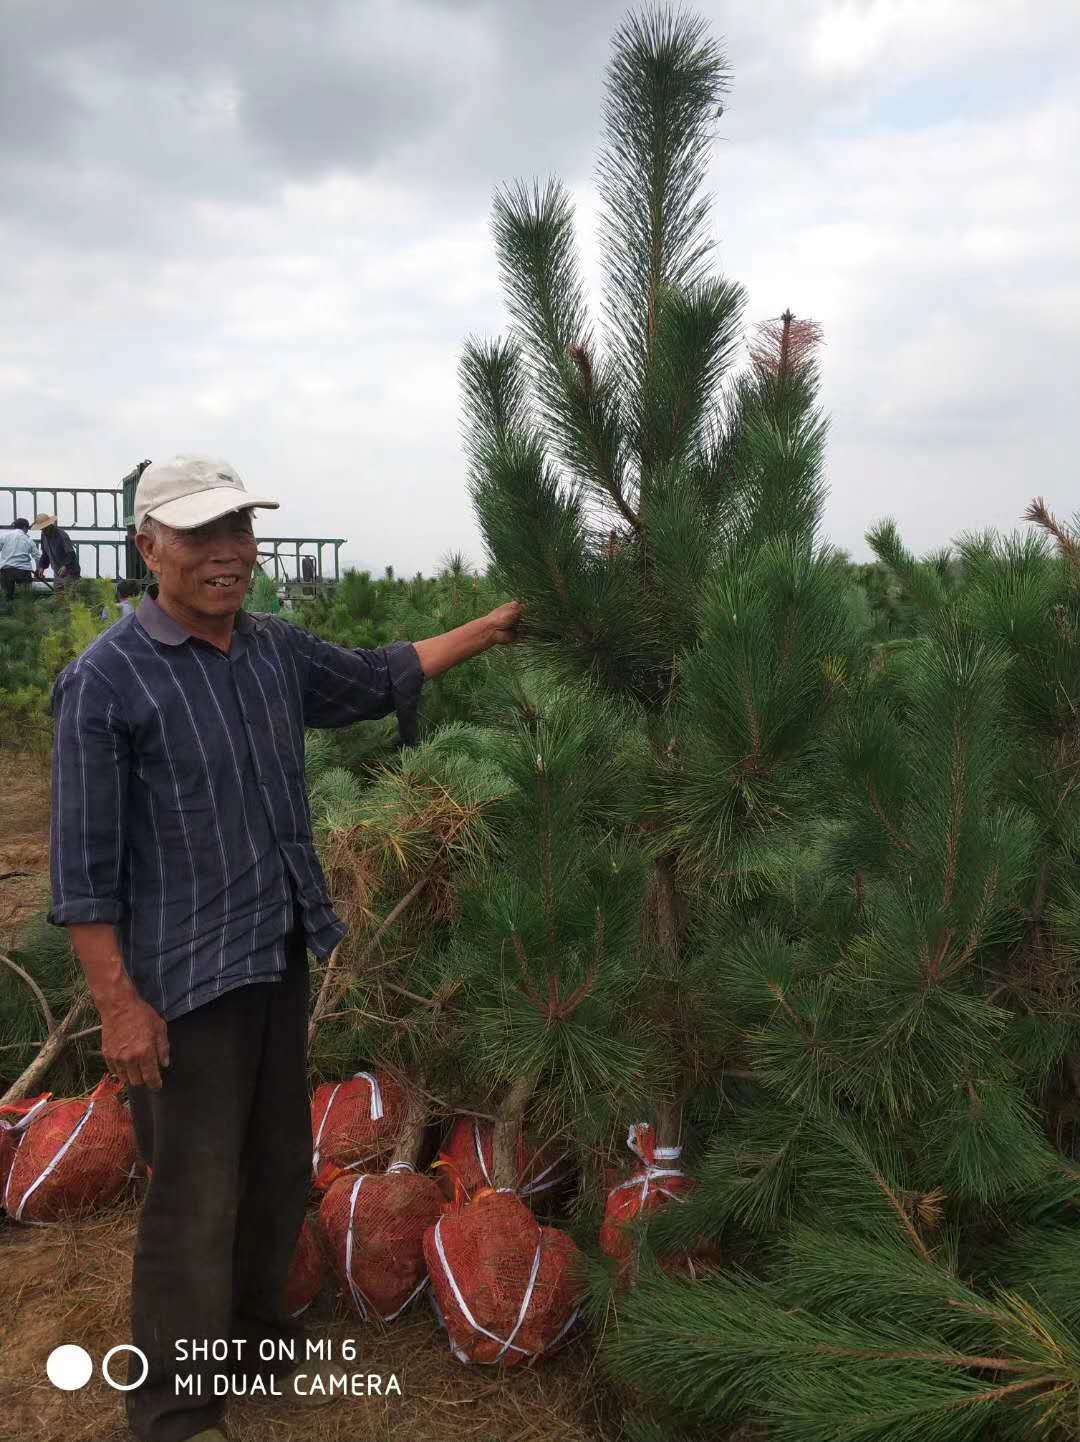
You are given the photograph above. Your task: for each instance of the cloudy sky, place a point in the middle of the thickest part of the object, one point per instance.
(260, 229)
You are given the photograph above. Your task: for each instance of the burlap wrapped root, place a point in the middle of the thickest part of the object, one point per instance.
(74, 1157)
(466, 1165)
(657, 1182)
(306, 1271)
(507, 1289)
(355, 1124)
(374, 1225)
(15, 1117)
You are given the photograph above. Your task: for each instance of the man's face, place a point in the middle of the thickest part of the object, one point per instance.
(206, 571)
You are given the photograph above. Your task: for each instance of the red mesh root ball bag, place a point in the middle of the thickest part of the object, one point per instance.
(375, 1225)
(467, 1157)
(654, 1185)
(355, 1123)
(305, 1278)
(14, 1119)
(74, 1156)
(506, 1289)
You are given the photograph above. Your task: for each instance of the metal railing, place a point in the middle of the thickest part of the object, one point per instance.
(282, 557)
(91, 551)
(87, 511)
(76, 508)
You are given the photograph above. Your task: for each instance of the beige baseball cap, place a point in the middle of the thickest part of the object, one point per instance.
(190, 491)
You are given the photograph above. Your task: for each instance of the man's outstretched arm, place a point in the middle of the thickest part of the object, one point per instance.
(439, 653)
(342, 685)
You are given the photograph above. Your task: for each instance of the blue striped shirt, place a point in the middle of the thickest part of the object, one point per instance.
(180, 812)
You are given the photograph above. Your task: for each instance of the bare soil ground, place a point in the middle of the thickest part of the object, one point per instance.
(70, 1283)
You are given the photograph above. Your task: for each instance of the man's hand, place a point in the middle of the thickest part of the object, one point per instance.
(502, 623)
(134, 1038)
(498, 628)
(134, 1041)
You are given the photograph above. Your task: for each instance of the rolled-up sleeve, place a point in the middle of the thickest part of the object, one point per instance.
(344, 685)
(90, 767)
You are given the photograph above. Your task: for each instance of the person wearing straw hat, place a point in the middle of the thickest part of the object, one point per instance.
(58, 551)
(183, 866)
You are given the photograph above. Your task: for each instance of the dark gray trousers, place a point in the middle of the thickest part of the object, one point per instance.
(228, 1137)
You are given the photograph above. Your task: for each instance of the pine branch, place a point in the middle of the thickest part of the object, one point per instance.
(905, 1221)
(697, 331)
(784, 347)
(50, 1024)
(957, 773)
(664, 86)
(336, 978)
(921, 581)
(545, 295)
(34, 1074)
(886, 825)
(1039, 514)
(781, 432)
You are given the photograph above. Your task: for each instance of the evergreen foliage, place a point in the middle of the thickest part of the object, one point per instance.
(45, 953)
(655, 512)
(855, 804)
(896, 1191)
(775, 848)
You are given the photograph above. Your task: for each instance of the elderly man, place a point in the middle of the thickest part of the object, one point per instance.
(183, 866)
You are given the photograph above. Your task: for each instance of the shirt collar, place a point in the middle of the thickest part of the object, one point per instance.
(162, 627)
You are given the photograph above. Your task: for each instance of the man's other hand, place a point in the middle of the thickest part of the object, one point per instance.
(502, 623)
(134, 1041)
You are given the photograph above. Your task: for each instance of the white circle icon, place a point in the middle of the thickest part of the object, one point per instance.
(69, 1367)
(111, 1353)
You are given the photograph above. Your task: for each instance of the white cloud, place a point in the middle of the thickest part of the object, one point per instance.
(853, 36)
(290, 285)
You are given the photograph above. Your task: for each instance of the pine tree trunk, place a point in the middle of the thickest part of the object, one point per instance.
(412, 1133)
(670, 913)
(508, 1127)
(670, 906)
(668, 1123)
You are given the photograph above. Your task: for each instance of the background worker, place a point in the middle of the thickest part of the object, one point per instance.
(58, 551)
(19, 557)
(125, 592)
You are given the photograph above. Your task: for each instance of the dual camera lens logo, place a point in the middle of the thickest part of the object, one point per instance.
(71, 1367)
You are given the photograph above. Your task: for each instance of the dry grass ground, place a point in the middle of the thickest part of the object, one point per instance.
(71, 1283)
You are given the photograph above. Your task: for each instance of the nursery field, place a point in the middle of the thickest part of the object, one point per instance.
(704, 1036)
(71, 1283)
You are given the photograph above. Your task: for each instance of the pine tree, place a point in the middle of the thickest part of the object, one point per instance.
(544, 950)
(897, 1191)
(655, 510)
(858, 939)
